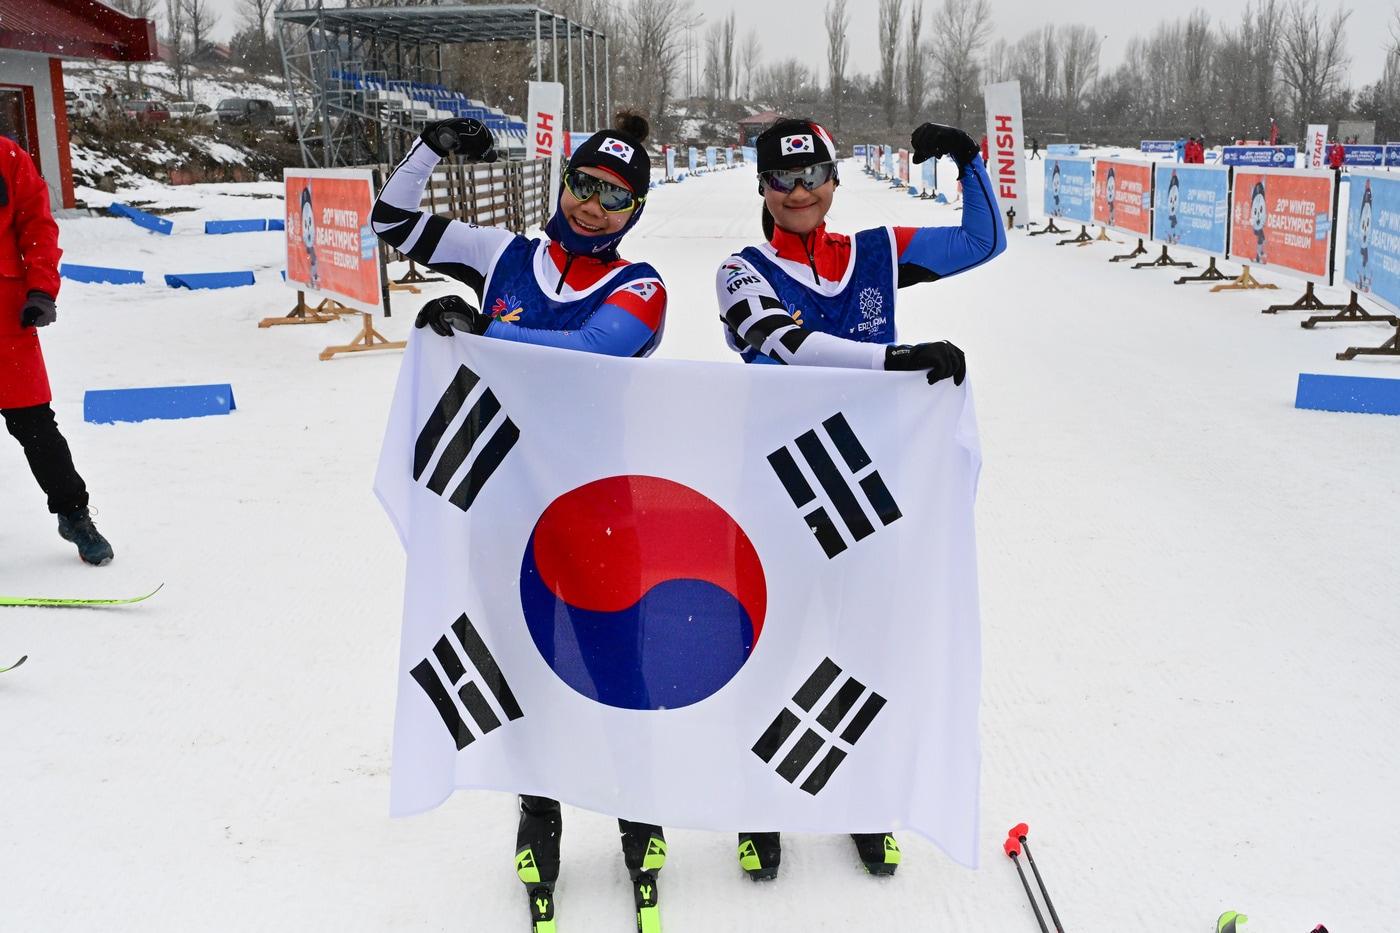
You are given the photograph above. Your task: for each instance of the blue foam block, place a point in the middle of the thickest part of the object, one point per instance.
(79, 273)
(940, 199)
(107, 406)
(276, 223)
(1365, 394)
(253, 225)
(141, 218)
(195, 280)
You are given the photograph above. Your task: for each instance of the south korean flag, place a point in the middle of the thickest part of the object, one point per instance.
(797, 144)
(617, 148)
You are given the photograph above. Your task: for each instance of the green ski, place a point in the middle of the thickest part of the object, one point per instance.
(62, 603)
(14, 665)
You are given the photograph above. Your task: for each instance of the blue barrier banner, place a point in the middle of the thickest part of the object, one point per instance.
(1192, 206)
(1392, 155)
(858, 150)
(1158, 146)
(889, 163)
(141, 218)
(693, 157)
(108, 406)
(1364, 156)
(1372, 263)
(930, 179)
(1261, 156)
(750, 155)
(1069, 189)
(1062, 149)
(235, 226)
(101, 274)
(197, 280)
(1365, 395)
(711, 157)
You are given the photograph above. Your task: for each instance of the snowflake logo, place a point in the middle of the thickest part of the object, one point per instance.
(872, 303)
(507, 309)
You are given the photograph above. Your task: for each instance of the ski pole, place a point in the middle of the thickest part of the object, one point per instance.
(1013, 849)
(1019, 832)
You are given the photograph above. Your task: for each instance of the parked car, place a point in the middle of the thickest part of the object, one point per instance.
(145, 111)
(247, 111)
(81, 105)
(189, 111)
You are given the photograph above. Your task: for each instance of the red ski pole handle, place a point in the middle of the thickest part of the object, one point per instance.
(1019, 831)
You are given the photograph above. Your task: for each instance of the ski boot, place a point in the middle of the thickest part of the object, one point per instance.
(760, 854)
(537, 857)
(878, 852)
(644, 852)
(78, 528)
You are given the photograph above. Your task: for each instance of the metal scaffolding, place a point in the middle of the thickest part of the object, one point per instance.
(362, 79)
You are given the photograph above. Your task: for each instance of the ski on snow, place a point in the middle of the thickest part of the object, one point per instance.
(60, 603)
(22, 659)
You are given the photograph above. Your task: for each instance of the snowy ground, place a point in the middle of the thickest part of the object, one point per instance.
(1189, 590)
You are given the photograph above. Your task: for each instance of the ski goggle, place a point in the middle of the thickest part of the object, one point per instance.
(786, 180)
(614, 199)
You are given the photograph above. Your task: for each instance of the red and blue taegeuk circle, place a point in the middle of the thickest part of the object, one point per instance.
(641, 593)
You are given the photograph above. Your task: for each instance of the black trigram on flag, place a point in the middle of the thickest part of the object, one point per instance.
(497, 435)
(819, 741)
(456, 689)
(847, 491)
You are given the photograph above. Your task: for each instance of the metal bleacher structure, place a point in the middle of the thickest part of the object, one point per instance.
(364, 81)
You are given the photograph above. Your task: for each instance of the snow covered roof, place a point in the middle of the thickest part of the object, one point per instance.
(75, 29)
(514, 22)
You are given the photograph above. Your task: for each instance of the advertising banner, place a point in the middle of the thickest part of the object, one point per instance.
(711, 157)
(1364, 156)
(1281, 219)
(1158, 147)
(1069, 189)
(1392, 155)
(858, 150)
(929, 177)
(546, 107)
(750, 155)
(670, 163)
(331, 249)
(1123, 195)
(693, 159)
(1261, 156)
(1062, 149)
(904, 165)
(1315, 143)
(889, 163)
(1191, 207)
(1007, 147)
(1372, 264)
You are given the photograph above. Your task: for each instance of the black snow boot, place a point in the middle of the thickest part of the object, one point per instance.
(78, 528)
(760, 854)
(878, 852)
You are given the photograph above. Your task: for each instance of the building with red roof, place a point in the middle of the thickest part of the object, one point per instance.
(35, 37)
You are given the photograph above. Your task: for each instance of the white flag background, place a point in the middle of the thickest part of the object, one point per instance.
(554, 488)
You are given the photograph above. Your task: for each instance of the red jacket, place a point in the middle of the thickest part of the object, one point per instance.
(1336, 156)
(28, 261)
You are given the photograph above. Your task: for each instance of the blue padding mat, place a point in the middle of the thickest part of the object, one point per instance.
(276, 223)
(141, 218)
(209, 279)
(106, 406)
(1365, 394)
(256, 224)
(101, 274)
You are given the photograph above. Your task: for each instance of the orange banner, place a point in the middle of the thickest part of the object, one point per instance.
(1282, 219)
(1123, 196)
(331, 248)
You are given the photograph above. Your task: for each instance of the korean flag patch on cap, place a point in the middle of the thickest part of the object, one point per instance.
(801, 143)
(617, 148)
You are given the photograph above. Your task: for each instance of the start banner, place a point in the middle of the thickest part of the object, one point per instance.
(1123, 196)
(1372, 264)
(1261, 156)
(331, 248)
(1281, 219)
(1315, 155)
(1069, 189)
(1192, 207)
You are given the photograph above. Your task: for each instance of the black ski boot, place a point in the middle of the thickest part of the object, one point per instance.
(760, 854)
(878, 852)
(78, 528)
(537, 857)
(644, 852)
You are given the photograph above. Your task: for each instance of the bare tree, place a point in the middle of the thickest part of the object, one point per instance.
(915, 78)
(891, 12)
(964, 28)
(200, 19)
(651, 39)
(838, 51)
(714, 64)
(750, 52)
(254, 13)
(175, 39)
(1314, 59)
(730, 73)
(1079, 66)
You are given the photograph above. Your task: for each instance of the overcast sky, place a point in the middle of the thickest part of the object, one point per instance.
(794, 28)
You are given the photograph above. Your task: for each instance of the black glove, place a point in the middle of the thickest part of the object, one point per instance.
(468, 138)
(450, 313)
(941, 359)
(934, 140)
(38, 310)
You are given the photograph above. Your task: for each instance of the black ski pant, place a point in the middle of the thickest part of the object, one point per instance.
(49, 458)
(542, 823)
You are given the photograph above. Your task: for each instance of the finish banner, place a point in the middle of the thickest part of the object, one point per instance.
(1281, 219)
(1192, 207)
(1261, 156)
(1007, 148)
(1372, 265)
(1123, 196)
(1069, 189)
(1315, 155)
(546, 108)
(331, 249)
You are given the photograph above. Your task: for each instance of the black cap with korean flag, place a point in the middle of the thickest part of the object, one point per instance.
(622, 153)
(794, 144)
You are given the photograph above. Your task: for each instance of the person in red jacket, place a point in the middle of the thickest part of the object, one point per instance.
(1336, 156)
(28, 287)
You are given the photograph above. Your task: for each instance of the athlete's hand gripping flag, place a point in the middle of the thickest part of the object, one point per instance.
(705, 595)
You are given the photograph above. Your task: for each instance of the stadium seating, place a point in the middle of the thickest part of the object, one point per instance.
(418, 102)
